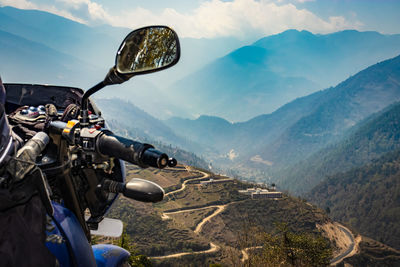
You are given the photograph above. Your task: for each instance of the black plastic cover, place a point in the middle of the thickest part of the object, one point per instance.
(36, 94)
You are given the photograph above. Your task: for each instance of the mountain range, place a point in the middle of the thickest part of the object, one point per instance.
(141, 124)
(301, 127)
(259, 78)
(252, 80)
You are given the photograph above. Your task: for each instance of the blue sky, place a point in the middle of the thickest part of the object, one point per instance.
(244, 19)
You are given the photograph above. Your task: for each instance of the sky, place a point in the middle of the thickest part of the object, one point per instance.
(242, 19)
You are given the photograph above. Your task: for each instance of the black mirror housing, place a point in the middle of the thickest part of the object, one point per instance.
(143, 190)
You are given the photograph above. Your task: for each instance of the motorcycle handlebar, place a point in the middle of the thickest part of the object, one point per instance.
(131, 151)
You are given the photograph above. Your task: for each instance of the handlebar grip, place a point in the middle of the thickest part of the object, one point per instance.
(155, 158)
(131, 151)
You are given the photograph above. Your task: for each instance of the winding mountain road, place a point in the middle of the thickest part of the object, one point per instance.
(205, 175)
(351, 250)
(213, 248)
(164, 216)
(220, 208)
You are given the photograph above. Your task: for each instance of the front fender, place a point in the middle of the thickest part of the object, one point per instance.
(109, 255)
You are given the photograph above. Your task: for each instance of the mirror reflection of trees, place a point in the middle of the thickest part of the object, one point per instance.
(147, 49)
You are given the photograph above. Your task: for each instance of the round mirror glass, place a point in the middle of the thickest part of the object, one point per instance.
(148, 49)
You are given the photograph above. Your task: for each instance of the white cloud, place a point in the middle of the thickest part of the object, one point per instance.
(24, 4)
(216, 18)
(213, 18)
(93, 10)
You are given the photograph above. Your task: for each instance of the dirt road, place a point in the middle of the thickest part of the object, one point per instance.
(205, 175)
(352, 248)
(220, 208)
(213, 248)
(165, 216)
(347, 245)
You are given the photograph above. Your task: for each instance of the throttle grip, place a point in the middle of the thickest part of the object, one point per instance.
(131, 151)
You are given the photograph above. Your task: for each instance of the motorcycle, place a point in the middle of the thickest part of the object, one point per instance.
(62, 134)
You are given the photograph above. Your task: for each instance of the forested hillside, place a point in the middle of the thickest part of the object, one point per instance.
(371, 138)
(367, 198)
(337, 110)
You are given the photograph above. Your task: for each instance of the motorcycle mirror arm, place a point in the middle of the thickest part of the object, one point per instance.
(112, 77)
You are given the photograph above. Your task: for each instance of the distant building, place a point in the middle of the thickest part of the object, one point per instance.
(248, 191)
(266, 195)
(259, 193)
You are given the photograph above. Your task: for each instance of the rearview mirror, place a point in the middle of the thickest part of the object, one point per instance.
(144, 50)
(147, 50)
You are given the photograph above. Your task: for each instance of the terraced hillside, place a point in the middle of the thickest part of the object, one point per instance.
(196, 225)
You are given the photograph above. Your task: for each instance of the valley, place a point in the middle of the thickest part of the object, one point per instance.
(223, 229)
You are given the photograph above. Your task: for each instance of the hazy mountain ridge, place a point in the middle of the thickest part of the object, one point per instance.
(52, 42)
(199, 130)
(305, 125)
(22, 58)
(245, 136)
(64, 35)
(327, 59)
(144, 125)
(239, 86)
(259, 78)
(341, 107)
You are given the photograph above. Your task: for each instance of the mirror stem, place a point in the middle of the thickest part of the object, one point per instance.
(113, 77)
(84, 120)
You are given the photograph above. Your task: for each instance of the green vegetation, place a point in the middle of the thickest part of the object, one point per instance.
(261, 216)
(135, 260)
(367, 198)
(287, 248)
